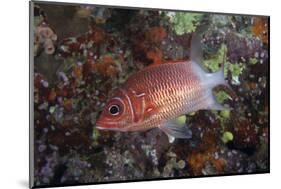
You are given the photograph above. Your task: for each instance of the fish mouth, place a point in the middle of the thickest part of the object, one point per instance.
(100, 128)
(107, 127)
(104, 126)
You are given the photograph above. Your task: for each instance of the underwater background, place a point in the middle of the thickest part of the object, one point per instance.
(83, 53)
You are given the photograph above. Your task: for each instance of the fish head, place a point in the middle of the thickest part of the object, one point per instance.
(116, 114)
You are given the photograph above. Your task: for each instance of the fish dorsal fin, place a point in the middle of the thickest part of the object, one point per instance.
(196, 53)
(174, 130)
(196, 48)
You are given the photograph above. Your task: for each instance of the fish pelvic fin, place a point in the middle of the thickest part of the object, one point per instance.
(174, 130)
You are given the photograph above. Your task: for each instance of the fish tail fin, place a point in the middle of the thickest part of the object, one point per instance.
(212, 79)
(215, 79)
(218, 78)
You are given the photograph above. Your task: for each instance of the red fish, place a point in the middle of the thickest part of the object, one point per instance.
(156, 95)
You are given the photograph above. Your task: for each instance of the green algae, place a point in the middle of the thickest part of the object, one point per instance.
(95, 136)
(227, 137)
(185, 22)
(191, 113)
(225, 114)
(181, 120)
(236, 69)
(52, 109)
(221, 96)
(214, 62)
(253, 61)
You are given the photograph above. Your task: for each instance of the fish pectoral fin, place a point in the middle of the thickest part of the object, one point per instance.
(174, 130)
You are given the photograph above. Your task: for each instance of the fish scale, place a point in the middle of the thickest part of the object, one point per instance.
(174, 89)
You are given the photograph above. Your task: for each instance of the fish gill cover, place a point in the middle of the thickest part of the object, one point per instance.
(83, 53)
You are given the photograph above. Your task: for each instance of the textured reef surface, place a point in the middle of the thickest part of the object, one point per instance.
(83, 53)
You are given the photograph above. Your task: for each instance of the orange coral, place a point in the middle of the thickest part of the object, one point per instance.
(105, 66)
(219, 164)
(155, 55)
(203, 154)
(97, 35)
(146, 44)
(62, 92)
(52, 95)
(260, 28)
(197, 161)
(152, 37)
(67, 104)
(77, 71)
(87, 68)
(155, 34)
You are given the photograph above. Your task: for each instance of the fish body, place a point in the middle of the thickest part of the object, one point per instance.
(156, 95)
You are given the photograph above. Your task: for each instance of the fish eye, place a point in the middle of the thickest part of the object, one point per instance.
(114, 110)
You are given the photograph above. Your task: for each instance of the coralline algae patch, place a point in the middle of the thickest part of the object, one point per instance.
(76, 70)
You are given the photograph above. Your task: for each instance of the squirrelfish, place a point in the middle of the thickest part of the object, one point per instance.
(156, 95)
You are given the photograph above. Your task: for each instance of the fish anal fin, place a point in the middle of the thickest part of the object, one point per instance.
(173, 130)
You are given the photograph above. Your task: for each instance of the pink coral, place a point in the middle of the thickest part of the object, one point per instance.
(44, 37)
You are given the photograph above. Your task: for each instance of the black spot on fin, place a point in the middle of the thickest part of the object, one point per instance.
(174, 130)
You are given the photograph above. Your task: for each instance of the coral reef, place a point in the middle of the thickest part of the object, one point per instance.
(98, 48)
